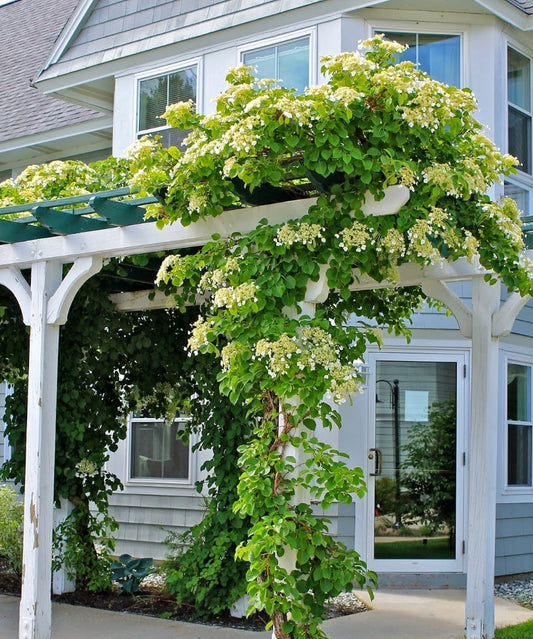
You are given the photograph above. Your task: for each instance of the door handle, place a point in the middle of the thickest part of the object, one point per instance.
(378, 466)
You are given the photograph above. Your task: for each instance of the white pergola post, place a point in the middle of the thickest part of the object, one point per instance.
(44, 305)
(35, 604)
(483, 448)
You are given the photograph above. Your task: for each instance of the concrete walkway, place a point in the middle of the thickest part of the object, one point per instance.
(402, 614)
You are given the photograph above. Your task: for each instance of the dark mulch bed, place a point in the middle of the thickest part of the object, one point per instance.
(153, 602)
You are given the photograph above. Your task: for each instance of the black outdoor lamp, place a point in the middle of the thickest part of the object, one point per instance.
(395, 405)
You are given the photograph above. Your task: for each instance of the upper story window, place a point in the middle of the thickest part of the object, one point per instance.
(287, 62)
(519, 426)
(158, 449)
(159, 92)
(519, 108)
(519, 117)
(439, 55)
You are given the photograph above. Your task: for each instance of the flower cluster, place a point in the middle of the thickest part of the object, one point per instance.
(313, 351)
(173, 270)
(302, 233)
(86, 468)
(233, 297)
(356, 237)
(392, 244)
(199, 339)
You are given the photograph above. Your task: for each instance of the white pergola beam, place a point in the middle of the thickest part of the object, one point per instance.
(147, 238)
(412, 274)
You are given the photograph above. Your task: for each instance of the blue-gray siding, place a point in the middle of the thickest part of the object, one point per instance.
(514, 539)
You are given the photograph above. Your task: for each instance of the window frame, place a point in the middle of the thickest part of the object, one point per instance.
(286, 38)
(521, 179)
(157, 481)
(510, 493)
(153, 73)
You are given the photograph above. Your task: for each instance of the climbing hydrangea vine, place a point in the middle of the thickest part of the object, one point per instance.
(373, 124)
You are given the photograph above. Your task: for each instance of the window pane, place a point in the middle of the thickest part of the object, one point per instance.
(519, 138)
(437, 55)
(264, 60)
(518, 384)
(293, 63)
(518, 80)
(157, 451)
(519, 455)
(287, 62)
(153, 102)
(182, 86)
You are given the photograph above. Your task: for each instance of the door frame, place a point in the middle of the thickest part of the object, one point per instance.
(462, 359)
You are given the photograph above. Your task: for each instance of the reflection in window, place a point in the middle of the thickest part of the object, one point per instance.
(287, 62)
(158, 450)
(156, 94)
(519, 108)
(437, 55)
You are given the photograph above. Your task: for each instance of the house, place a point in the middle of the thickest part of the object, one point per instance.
(130, 58)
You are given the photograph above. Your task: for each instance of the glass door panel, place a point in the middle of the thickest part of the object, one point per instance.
(415, 448)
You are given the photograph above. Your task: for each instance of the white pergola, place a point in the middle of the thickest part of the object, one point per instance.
(45, 303)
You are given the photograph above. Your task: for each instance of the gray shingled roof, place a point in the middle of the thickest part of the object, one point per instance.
(28, 30)
(525, 5)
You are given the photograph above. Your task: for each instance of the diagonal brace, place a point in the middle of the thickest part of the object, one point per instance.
(59, 304)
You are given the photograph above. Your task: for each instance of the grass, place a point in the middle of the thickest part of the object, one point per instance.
(437, 548)
(522, 631)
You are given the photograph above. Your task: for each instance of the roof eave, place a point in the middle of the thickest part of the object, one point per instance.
(508, 13)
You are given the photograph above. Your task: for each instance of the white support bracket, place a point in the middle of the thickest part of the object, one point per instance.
(440, 291)
(504, 318)
(13, 279)
(60, 302)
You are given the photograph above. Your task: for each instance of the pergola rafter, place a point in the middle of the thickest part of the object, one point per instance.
(58, 234)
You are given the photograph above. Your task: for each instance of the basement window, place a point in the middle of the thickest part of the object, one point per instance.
(159, 449)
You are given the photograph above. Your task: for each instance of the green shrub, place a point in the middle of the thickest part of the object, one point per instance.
(11, 513)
